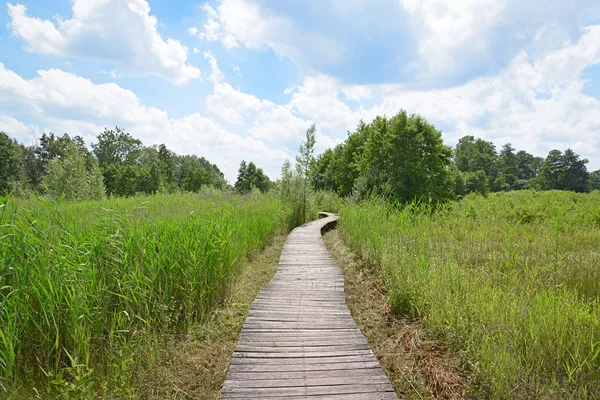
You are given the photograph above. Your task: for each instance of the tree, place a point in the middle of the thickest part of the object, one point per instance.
(68, 176)
(552, 168)
(472, 155)
(167, 168)
(404, 158)
(322, 176)
(117, 147)
(10, 163)
(564, 171)
(304, 160)
(242, 184)
(508, 168)
(529, 165)
(250, 176)
(595, 180)
(575, 176)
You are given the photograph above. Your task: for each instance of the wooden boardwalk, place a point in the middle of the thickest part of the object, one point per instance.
(299, 340)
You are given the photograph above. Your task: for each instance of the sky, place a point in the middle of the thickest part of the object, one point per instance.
(244, 79)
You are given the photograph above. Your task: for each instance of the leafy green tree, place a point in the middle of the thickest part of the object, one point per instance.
(69, 176)
(595, 180)
(121, 159)
(290, 188)
(552, 168)
(345, 166)
(476, 182)
(250, 176)
(323, 173)
(10, 163)
(35, 158)
(472, 155)
(508, 168)
(404, 158)
(117, 147)
(529, 165)
(304, 161)
(575, 176)
(167, 167)
(564, 171)
(243, 184)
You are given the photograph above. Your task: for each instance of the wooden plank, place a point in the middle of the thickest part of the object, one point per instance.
(306, 391)
(354, 373)
(299, 340)
(303, 382)
(353, 396)
(313, 367)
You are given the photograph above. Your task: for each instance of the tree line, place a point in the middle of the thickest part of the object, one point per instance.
(117, 164)
(404, 158)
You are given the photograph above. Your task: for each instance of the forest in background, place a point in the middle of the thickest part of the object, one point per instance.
(402, 157)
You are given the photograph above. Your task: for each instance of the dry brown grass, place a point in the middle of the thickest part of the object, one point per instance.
(195, 367)
(417, 366)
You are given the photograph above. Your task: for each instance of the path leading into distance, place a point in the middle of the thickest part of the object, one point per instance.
(299, 340)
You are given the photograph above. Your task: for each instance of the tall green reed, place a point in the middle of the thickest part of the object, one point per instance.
(82, 282)
(511, 285)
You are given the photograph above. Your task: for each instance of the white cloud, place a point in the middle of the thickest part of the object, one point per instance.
(319, 99)
(64, 102)
(16, 129)
(216, 75)
(279, 125)
(232, 105)
(238, 23)
(443, 29)
(119, 31)
(534, 103)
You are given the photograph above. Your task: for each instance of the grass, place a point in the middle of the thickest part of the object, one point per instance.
(417, 366)
(195, 368)
(89, 291)
(510, 280)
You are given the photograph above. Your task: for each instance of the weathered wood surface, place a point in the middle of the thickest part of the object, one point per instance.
(299, 340)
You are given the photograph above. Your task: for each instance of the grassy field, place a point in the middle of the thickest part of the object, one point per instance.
(89, 291)
(511, 280)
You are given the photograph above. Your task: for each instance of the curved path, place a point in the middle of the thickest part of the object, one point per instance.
(299, 340)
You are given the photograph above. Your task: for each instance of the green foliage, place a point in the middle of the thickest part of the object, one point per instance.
(250, 176)
(69, 177)
(511, 280)
(473, 155)
(405, 159)
(323, 177)
(304, 160)
(595, 180)
(10, 163)
(89, 289)
(564, 171)
(402, 158)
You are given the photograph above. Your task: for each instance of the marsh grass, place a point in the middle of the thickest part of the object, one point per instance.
(88, 289)
(511, 280)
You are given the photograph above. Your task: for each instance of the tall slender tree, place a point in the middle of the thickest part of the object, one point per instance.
(304, 160)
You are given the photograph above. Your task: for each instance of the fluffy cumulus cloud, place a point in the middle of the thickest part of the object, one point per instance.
(536, 100)
(65, 102)
(445, 30)
(237, 23)
(535, 103)
(18, 129)
(119, 31)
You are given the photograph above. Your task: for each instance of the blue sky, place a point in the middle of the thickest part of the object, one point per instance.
(243, 79)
